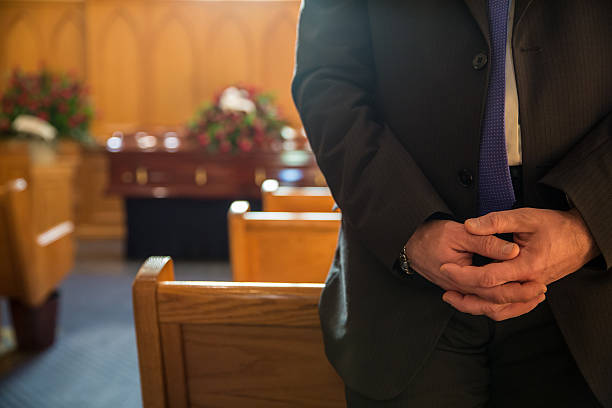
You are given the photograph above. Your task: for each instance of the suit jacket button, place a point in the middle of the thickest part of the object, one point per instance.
(465, 178)
(479, 61)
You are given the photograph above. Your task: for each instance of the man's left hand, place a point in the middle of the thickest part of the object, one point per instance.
(552, 244)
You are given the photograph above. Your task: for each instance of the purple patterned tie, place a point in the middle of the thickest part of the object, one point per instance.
(494, 182)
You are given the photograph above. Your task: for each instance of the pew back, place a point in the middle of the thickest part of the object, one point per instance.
(295, 199)
(228, 344)
(281, 246)
(15, 229)
(36, 244)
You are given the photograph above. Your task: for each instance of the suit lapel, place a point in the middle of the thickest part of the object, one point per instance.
(519, 9)
(478, 8)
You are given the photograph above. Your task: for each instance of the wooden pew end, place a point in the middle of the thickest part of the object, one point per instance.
(269, 186)
(239, 207)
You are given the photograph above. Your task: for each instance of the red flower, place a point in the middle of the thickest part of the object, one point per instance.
(66, 93)
(204, 139)
(22, 99)
(237, 130)
(225, 146)
(46, 101)
(33, 106)
(5, 124)
(245, 144)
(221, 135)
(8, 106)
(62, 107)
(77, 120)
(259, 138)
(43, 115)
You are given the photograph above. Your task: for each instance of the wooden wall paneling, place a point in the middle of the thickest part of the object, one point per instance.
(278, 56)
(172, 96)
(98, 215)
(67, 43)
(46, 33)
(21, 45)
(150, 64)
(115, 61)
(230, 50)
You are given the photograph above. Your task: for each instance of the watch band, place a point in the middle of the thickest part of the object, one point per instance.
(404, 263)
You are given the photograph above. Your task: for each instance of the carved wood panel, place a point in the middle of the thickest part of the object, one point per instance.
(49, 33)
(150, 64)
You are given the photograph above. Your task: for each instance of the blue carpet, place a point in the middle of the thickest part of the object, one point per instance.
(94, 361)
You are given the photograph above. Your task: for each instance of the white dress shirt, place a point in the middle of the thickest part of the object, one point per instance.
(512, 126)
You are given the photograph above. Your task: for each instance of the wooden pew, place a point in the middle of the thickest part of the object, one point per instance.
(33, 261)
(295, 199)
(281, 246)
(229, 344)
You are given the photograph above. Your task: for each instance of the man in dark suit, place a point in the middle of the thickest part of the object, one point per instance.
(408, 108)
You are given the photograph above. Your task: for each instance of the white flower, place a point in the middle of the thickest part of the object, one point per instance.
(234, 99)
(34, 126)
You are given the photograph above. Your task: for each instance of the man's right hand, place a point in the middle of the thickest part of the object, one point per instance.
(439, 242)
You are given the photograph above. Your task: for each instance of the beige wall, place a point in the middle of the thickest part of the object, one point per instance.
(150, 63)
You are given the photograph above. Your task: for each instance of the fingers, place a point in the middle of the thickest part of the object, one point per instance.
(491, 247)
(477, 306)
(513, 292)
(481, 281)
(487, 276)
(519, 220)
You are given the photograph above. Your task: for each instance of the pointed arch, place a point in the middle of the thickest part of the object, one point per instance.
(119, 63)
(230, 53)
(68, 43)
(173, 83)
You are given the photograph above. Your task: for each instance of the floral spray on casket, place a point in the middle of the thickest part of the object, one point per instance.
(240, 119)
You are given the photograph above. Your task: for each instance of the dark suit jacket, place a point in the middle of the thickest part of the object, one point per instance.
(392, 104)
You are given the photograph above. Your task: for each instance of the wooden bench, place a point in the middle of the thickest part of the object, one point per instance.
(281, 246)
(295, 199)
(33, 260)
(228, 344)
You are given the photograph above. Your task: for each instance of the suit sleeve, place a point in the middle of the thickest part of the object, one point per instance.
(585, 175)
(383, 194)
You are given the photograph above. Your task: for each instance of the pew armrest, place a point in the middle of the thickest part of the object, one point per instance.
(144, 297)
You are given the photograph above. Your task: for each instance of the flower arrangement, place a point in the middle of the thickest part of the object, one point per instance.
(239, 120)
(58, 99)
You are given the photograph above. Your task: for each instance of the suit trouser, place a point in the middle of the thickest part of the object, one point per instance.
(520, 362)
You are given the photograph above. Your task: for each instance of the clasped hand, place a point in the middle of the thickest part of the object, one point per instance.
(548, 245)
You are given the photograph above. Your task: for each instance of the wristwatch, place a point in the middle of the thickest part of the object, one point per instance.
(404, 263)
